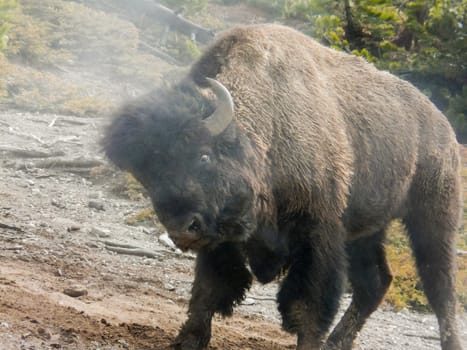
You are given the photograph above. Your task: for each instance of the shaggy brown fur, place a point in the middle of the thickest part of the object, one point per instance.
(323, 153)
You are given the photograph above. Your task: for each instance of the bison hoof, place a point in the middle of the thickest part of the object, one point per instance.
(187, 340)
(341, 345)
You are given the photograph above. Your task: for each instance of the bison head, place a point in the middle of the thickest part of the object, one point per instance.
(187, 151)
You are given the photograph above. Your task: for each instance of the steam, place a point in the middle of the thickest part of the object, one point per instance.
(87, 57)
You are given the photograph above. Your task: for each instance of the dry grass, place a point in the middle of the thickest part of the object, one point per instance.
(145, 216)
(406, 290)
(64, 57)
(27, 88)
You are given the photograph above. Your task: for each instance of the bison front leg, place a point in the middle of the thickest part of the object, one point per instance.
(309, 296)
(221, 279)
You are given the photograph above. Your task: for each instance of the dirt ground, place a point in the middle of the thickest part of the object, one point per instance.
(63, 286)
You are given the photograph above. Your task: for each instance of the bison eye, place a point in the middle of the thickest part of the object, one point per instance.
(205, 159)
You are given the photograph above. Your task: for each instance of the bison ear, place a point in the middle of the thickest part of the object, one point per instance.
(223, 115)
(122, 142)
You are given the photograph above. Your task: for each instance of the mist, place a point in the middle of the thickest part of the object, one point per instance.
(86, 57)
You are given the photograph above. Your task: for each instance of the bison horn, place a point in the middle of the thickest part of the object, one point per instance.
(224, 113)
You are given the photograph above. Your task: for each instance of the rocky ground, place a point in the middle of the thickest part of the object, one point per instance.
(74, 275)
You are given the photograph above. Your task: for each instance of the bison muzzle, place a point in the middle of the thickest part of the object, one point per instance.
(293, 158)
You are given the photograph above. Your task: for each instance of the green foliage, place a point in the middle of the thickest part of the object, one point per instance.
(330, 28)
(189, 51)
(423, 41)
(6, 6)
(322, 18)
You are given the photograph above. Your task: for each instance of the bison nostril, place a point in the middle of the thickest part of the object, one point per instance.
(195, 225)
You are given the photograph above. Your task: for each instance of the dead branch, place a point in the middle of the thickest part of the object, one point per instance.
(52, 123)
(70, 121)
(18, 247)
(163, 15)
(26, 153)
(67, 139)
(133, 251)
(44, 176)
(9, 227)
(428, 337)
(178, 23)
(118, 245)
(23, 134)
(261, 298)
(127, 249)
(65, 163)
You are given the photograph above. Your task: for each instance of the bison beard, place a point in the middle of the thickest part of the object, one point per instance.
(292, 158)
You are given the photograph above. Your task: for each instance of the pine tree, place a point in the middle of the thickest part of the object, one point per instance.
(423, 41)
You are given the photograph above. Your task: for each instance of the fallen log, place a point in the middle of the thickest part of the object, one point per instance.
(64, 164)
(179, 24)
(133, 10)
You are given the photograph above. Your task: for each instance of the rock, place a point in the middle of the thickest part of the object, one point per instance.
(165, 240)
(74, 227)
(57, 204)
(147, 231)
(75, 292)
(25, 335)
(100, 232)
(43, 333)
(249, 301)
(36, 191)
(96, 205)
(91, 245)
(169, 287)
(64, 224)
(123, 343)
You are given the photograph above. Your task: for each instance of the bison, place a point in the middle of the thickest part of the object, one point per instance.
(280, 154)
